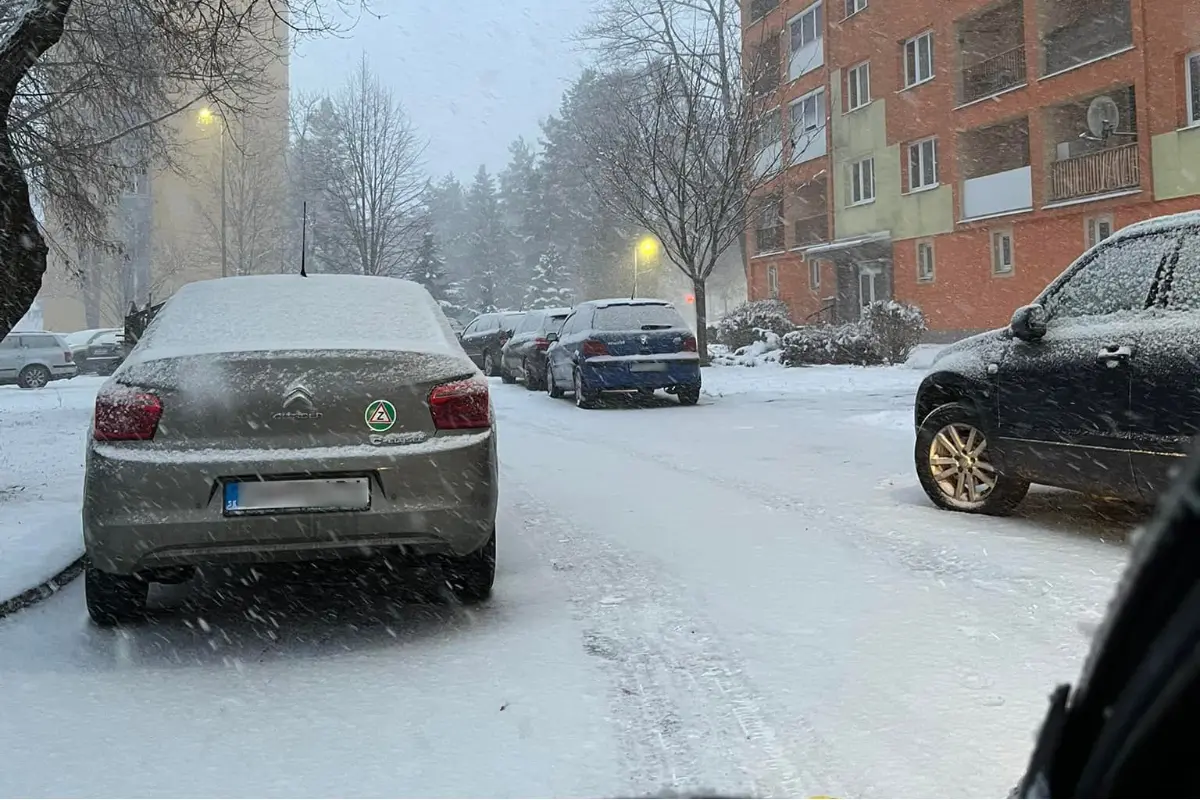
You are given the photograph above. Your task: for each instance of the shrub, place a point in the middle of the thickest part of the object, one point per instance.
(751, 322)
(886, 334)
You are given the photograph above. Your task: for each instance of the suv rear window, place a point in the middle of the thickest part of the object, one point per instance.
(635, 317)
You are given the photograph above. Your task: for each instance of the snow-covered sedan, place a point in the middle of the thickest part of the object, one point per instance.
(289, 418)
(623, 346)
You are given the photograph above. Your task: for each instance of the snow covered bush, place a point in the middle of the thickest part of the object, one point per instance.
(766, 350)
(886, 334)
(751, 322)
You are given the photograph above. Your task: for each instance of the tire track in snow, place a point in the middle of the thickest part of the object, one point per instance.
(686, 711)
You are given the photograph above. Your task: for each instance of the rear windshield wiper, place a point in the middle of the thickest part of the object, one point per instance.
(655, 326)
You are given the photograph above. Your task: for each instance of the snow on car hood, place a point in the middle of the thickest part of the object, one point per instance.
(970, 356)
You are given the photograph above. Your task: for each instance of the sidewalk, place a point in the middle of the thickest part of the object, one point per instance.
(42, 443)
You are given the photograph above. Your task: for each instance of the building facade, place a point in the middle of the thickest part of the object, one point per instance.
(976, 147)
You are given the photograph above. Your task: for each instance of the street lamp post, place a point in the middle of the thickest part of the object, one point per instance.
(647, 247)
(207, 117)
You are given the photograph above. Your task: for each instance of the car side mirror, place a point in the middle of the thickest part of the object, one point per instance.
(1028, 322)
(551, 337)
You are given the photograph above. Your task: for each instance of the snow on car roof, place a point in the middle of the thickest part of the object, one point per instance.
(1165, 222)
(290, 312)
(626, 301)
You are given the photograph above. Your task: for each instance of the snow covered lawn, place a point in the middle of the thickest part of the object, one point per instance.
(42, 440)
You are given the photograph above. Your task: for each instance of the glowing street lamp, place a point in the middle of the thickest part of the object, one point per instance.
(206, 117)
(647, 248)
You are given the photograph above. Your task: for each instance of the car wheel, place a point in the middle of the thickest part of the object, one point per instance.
(489, 364)
(35, 376)
(532, 382)
(688, 395)
(506, 376)
(955, 466)
(551, 386)
(471, 577)
(583, 398)
(114, 599)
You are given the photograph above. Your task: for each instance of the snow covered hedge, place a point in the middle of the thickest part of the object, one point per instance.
(752, 322)
(886, 334)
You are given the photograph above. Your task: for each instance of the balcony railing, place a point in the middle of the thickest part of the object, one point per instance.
(998, 193)
(810, 230)
(1103, 33)
(768, 240)
(1106, 171)
(994, 75)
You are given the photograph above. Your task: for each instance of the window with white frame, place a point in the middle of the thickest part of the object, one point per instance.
(858, 86)
(769, 228)
(855, 6)
(773, 281)
(925, 262)
(1098, 228)
(807, 30)
(814, 274)
(918, 59)
(1192, 68)
(922, 164)
(862, 181)
(1002, 252)
(807, 116)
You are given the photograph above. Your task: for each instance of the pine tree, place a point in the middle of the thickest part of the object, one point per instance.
(548, 286)
(486, 242)
(429, 270)
(526, 226)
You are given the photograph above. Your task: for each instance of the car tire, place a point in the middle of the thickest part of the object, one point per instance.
(114, 599)
(506, 376)
(688, 395)
(489, 364)
(584, 398)
(552, 386)
(962, 450)
(471, 577)
(35, 376)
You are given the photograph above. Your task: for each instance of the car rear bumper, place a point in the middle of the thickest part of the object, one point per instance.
(64, 371)
(146, 508)
(616, 373)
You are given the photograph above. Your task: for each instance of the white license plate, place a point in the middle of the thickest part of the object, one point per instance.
(647, 366)
(314, 494)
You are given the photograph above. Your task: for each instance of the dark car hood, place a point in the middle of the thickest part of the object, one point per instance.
(972, 355)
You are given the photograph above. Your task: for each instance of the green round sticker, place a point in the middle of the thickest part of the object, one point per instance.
(380, 416)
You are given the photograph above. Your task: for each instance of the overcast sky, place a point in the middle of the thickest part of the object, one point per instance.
(473, 74)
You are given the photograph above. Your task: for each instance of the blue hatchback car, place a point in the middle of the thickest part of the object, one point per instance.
(623, 346)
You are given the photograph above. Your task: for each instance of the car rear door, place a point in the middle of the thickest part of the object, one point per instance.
(1165, 399)
(470, 341)
(518, 346)
(1063, 401)
(10, 351)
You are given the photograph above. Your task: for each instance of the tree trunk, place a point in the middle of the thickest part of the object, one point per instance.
(698, 290)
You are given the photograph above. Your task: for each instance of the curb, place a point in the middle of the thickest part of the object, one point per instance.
(43, 591)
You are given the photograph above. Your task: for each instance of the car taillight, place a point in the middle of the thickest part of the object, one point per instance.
(462, 405)
(689, 344)
(594, 347)
(126, 416)
(68, 356)
(541, 343)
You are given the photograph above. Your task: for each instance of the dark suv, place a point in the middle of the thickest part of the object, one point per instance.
(484, 337)
(524, 355)
(1092, 387)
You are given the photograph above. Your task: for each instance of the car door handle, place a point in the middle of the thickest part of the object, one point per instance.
(1114, 352)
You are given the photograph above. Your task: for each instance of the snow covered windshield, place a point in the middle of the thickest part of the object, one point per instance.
(636, 317)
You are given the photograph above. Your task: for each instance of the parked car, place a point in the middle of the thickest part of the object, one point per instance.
(33, 359)
(623, 346)
(333, 416)
(524, 355)
(79, 341)
(1092, 387)
(485, 336)
(104, 353)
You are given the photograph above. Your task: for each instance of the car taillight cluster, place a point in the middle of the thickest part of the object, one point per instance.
(126, 416)
(594, 347)
(541, 343)
(68, 356)
(689, 344)
(461, 405)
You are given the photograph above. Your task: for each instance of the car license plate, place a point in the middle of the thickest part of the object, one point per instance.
(647, 366)
(332, 494)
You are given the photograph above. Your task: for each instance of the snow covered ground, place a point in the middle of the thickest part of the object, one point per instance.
(42, 438)
(751, 595)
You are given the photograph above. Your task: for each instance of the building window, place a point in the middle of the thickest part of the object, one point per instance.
(770, 131)
(773, 281)
(1002, 253)
(858, 86)
(807, 30)
(925, 262)
(1193, 88)
(814, 274)
(760, 8)
(855, 6)
(769, 232)
(922, 164)
(808, 123)
(862, 181)
(918, 59)
(1097, 229)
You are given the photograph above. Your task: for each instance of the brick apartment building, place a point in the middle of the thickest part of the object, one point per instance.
(969, 149)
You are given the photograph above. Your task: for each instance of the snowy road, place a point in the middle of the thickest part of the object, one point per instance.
(751, 595)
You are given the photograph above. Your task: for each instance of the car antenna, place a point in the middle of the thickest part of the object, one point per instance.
(303, 236)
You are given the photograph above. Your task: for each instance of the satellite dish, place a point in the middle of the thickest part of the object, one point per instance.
(1103, 116)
